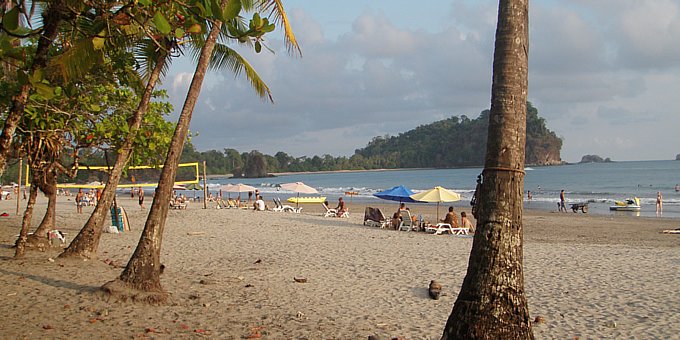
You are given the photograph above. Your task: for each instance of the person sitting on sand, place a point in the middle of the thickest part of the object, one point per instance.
(451, 218)
(465, 222)
(341, 208)
(259, 204)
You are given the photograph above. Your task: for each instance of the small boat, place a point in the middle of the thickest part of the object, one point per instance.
(300, 200)
(630, 204)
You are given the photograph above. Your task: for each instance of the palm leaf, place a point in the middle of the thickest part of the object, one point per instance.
(278, 14)
(224, 57)
(147, 54)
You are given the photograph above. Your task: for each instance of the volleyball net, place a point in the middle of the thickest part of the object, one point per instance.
(134, 176)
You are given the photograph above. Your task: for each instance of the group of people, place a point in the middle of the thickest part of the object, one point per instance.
(451, 218)
(87, 198)
(562, 207)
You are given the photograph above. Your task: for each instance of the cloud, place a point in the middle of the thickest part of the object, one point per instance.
(596, 75)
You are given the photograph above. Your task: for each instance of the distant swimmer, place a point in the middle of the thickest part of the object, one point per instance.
(677, 187)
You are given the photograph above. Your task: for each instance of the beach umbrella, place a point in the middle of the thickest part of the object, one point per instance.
(399, 193)
(299, 188)
(237, 188)
(194, 187)
(438, 195)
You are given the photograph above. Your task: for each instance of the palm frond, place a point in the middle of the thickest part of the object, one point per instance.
(278, 14)
(77, 60)
(224, 57)
(147, 53)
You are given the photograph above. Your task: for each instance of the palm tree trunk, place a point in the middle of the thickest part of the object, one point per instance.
(49, 187)
(20, 244)
(53, 19)
(492, 303)
(141, 278)
(85, 244)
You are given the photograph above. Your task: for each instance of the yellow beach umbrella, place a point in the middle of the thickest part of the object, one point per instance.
(438, 195)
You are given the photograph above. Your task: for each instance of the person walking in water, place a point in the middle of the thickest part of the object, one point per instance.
(659, 203)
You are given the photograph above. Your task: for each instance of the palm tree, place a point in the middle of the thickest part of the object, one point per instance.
(141, 278)
(54, 15)
(85, 244)
(492, 302)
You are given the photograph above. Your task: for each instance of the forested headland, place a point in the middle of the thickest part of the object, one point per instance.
(453, 142)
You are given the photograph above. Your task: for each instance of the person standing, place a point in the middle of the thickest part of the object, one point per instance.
(529, 196)
(140, 194)
(659, 203)
(563, 206)
(79, 201)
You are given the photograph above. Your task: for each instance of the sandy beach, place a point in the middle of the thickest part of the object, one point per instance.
(230, 275)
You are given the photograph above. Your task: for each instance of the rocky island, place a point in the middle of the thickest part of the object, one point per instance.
(594, 159)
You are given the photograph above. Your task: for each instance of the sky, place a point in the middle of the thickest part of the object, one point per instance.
(604, 74)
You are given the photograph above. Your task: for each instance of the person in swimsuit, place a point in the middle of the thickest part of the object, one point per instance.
(140, 193)
(341, 208)
(79, 201)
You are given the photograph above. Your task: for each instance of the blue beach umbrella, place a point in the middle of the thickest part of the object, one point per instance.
(399, 193)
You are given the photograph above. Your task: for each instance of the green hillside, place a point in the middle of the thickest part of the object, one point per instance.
(458, 141)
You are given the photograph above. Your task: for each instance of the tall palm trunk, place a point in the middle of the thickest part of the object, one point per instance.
(492, 302)
(20, 244)
(85, 244)
(141, 278)
(53, 19)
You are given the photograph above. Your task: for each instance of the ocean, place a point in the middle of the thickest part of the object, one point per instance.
(600, 184)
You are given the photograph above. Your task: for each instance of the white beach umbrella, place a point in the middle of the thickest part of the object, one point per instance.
(299, 187)
(237, 188)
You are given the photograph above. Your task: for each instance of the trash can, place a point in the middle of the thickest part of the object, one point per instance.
(117, 218)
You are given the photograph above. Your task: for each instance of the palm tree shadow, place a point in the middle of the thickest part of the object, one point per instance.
(53, 282)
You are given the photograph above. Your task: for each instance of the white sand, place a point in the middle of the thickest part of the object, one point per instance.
(230, 274)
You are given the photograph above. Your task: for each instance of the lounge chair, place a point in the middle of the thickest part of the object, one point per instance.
(178, 205)
(440, 228)
(330, 212)
(406, 221)
(373, 217)
(284, 207)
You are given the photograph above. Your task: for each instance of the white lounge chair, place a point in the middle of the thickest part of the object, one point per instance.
(406, 221)
(178, 205)
(285, 207)
(330, 212)
(440, 228)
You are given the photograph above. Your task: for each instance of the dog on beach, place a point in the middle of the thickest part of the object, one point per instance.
(435, 289)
